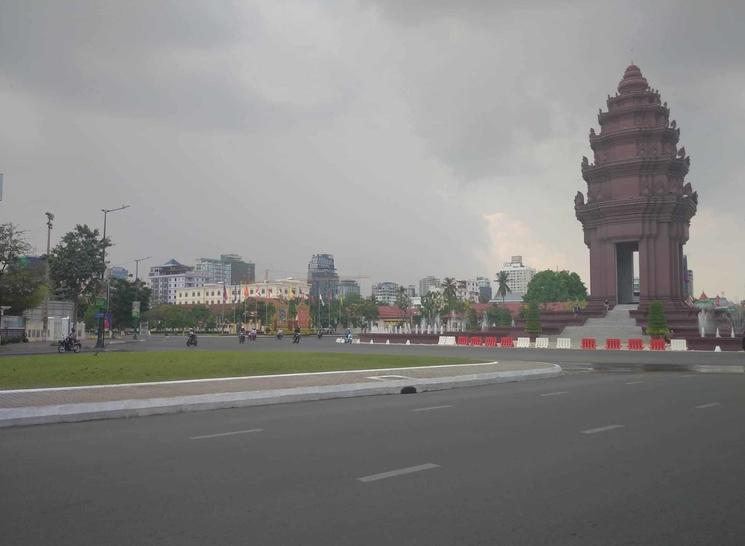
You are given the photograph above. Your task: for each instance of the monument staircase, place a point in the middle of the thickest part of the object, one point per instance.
(617, 323)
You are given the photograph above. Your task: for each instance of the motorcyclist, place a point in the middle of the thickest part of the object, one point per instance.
(71, 339)
(192, 334)
(280, 334)
(296, 335)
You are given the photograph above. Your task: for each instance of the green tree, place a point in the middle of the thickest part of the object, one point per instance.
(472, 319)
(22, 283)
(656, 320)
(550, 286)
(431, 306)
(403, 301)
(449, 293)
(533, 319)
(501, 316)
(503, 288)
(76, 264)
(122, 294)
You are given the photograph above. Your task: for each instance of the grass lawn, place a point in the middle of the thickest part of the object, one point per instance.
(65, 370)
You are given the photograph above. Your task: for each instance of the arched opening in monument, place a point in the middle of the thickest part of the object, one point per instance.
(627, 271)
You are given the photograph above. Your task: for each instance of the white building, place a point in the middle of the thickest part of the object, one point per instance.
(215, 293)
(165, 279)
(468, 290)
(519, 275)
(385, 293)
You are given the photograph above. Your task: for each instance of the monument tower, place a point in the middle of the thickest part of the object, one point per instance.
(637, 200)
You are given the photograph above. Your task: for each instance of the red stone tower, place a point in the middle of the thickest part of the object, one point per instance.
(637, 199)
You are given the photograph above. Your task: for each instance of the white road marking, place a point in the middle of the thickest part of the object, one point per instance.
(688, 375)
(226, 434)
(555, 393)
(601, 429)
(709, 405)
(432, 408)
(399, 472)
(634, 382)
(387, 377)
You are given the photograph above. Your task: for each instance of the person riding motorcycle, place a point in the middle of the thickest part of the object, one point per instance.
(348, 335)
(192, 338)
(296, 335)
(242, 335)
(280, 334)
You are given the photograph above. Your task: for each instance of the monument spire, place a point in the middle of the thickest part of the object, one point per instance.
(637, 198)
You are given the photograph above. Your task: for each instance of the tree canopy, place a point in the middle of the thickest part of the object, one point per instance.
(22, 281)
(549, 286)
(76, 264)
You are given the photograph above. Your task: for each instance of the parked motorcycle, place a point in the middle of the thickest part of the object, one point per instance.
(68, 345)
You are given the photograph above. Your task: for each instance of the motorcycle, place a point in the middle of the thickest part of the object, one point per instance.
(296, 337)
(252, 335)
(348, 338)
(191, 340)
(68, 345)
(242, 337)
(280, 335)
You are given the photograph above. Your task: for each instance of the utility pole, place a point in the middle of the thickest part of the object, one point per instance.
(45, 318)
(100, 344)
(137, 293)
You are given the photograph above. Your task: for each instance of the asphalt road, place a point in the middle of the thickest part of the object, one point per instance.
(568, 359)
(586, 459)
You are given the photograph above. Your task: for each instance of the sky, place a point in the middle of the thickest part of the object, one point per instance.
(407, 138)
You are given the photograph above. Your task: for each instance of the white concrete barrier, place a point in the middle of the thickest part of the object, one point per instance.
(717, 349)
(563, 343)
(541, 343)
(678, 345)
(408, 342)
(523, 343)
(387, 341)
(442, 340)
(451, 340)
(371, 342)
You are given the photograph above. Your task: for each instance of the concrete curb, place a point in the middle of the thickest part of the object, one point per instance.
(69, 413)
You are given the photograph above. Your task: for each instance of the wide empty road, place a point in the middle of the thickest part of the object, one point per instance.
(585, 459)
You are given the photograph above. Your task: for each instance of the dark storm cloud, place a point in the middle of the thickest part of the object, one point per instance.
(406, 137)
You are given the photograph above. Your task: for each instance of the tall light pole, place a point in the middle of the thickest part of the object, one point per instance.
(137, 292)
(45, 318)
(100, 338)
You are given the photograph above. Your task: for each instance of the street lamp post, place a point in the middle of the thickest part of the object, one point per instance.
(137, 293)
(45, 318)
(100, 338)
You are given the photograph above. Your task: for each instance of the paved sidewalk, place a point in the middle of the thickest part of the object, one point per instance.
(67, 404)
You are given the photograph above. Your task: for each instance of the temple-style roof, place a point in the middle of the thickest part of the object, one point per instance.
(632, 80)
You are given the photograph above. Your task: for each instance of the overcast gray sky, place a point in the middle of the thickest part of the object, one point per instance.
(407, 138)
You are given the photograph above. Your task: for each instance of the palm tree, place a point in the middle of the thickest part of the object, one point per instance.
(502, 284)
(449, 291)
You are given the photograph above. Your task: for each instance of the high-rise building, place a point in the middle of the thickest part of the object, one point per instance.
(322, 276)
(519, 275)
(429, 284)
(485, 292)
(385, 292)
(241, 272)
(117, 272)
(348, 287)
(411, 291)
(217, 271)
(165, 279)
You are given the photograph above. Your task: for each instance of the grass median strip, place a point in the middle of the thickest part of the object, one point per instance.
(68, 370)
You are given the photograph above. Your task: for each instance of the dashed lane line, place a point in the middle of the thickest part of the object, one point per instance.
(431, 408)
(554, 393)
(220, 434)
(399, 472)
(709, 405)
(601, 429)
